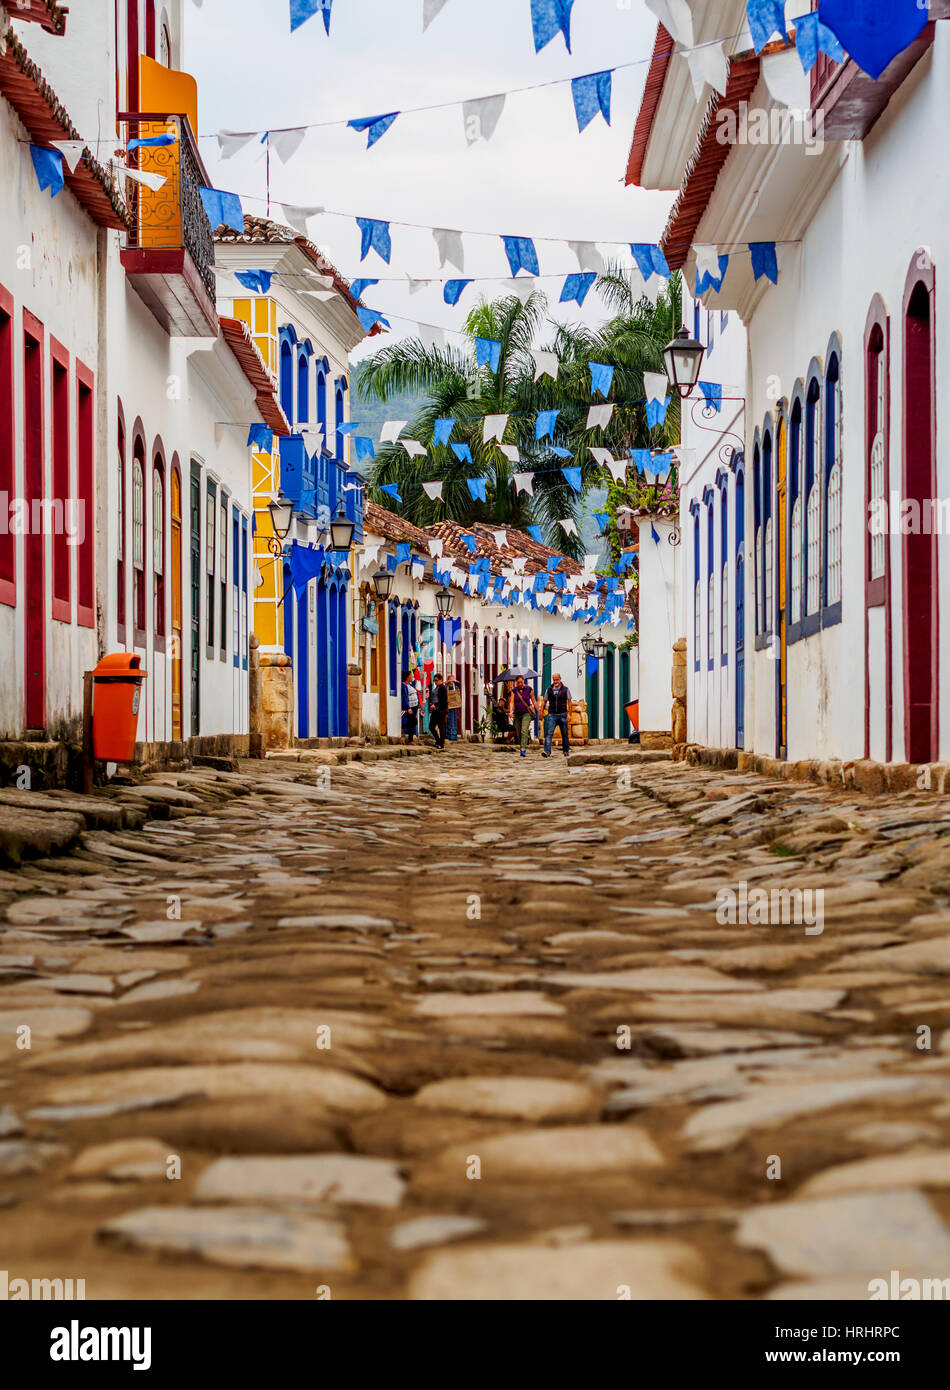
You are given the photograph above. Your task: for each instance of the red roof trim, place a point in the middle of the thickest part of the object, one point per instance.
(46, 119)
(46, 13)
(238, 338)
(705, 163)
(652, 91)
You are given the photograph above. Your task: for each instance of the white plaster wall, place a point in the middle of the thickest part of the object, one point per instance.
(660, 578)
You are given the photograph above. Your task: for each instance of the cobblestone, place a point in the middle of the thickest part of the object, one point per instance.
(462, 1026)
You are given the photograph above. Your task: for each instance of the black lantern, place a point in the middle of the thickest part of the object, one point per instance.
(600, 649)
(341, 530)
(281, 519)
(445, 600)
(383, 583)
(682, 358)
(588, 643)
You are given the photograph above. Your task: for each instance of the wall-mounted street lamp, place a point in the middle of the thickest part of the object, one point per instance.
(600, 649)
(341, 531)
(445, 601)
(383, 584)
(281, 517)
(682, 358)
(588, 644)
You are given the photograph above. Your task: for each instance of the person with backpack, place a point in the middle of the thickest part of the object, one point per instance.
(556, 706)
(454, 696)
(410, 706)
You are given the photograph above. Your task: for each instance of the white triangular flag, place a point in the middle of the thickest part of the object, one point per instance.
(598, 417)
(707, 255)
(230, 141)
(412, 447)
(480, 117)
(524, 482)
(568, 526)
(390, 431)
(430, 336)
(417, 566)
(656, 385)
(618, 470)
(522, 288)
(786, 80)
(71, 150)
(588, 257)
(321, 295)
(686, 456)
(545, 364)
(590, 563)
(708, 64)
(494, 427)
(430, 8)
(603, 456)
(519, 564)
(434, 492)
(449, 246)
(435, 549)
(501, 539)
(416, 285)
(676, 19)
(297, 216)
(152, 181)
(628, 584)
(511, 452)
(286, 143)
(371, 552)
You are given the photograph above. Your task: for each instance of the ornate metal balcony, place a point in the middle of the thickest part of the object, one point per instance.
(169, 254)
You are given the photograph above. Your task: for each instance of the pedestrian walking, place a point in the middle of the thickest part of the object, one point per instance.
(438, 710)
(410, 706)
(454, 695)
(557, 706)
(522, 709)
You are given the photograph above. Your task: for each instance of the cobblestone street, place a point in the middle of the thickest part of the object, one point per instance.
(463, 1026)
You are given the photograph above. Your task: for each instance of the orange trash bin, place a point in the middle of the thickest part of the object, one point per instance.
(117, 682)
(632, 711)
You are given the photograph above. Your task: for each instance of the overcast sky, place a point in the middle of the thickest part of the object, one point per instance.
(536, 177)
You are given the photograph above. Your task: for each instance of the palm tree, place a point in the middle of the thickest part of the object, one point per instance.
(631, 341)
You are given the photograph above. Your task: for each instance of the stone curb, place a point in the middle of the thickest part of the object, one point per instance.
(861, 774)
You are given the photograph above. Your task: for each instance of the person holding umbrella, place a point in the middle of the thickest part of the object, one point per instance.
(522, 709)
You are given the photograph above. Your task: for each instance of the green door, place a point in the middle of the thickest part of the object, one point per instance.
(545, 668)
(593, 704)
(610, 695)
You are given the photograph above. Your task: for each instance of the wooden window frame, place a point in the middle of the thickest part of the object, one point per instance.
(877, 589)
(86, 494)
(60, 485)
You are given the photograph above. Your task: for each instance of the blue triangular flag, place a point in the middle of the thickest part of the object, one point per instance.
(462, 452)
(534, 532)
(602, 519)
(577, 287)
(470, 543)
(48, 167)
(591, 94)
(260, 437)
(656, 412)
(642, 458)
(654, 534)
(442, 428)
(375, 126)
(403, 552)
(705, 280)
(375, 237)
(453, 290)
(600, 378)
(487, 353)
(662, 463)
(545, 424)
(476, 487)
(573, 476)
(764, 261)
(874, 32)
(369, 318)
(257, 280)
(152, 140)
(521, 254)
(766, 17)
(350, 427)
(559, 451)
(712, 393)
(650, 260)
(811, 38)
(302, 10)
(592, 667)
(358, 286)
(223, 209)
(550, 17)
(364, 448)
(391, 489)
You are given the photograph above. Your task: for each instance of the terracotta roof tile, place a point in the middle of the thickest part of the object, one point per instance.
(46, 13)
(237, 335)
(652, 91)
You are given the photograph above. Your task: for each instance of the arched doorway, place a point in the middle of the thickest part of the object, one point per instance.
(610, 700)
(919, 550)
(176, 599)
(781, 666)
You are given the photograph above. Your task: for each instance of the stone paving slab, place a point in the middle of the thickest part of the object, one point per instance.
(456, 1026)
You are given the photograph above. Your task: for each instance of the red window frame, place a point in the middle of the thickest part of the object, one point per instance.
(60, 490)
(86, 495)
(8, 541)
(158, 580)
(138, 573)
(122, 537)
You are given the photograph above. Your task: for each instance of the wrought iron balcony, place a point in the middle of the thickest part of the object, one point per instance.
(169, 254)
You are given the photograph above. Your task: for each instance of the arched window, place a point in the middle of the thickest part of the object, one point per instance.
(877, 451)
(758, 576)
(340, 388)
(120, 512)
(164, 44)
(795, 510)
(303, 386)
(832, 484)
(708, 496)
(724, 562)
(694, 508)
(138, 539)
(768, 546)
(811, 579)
(287, 377)
(158, 545)
(322, 399)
